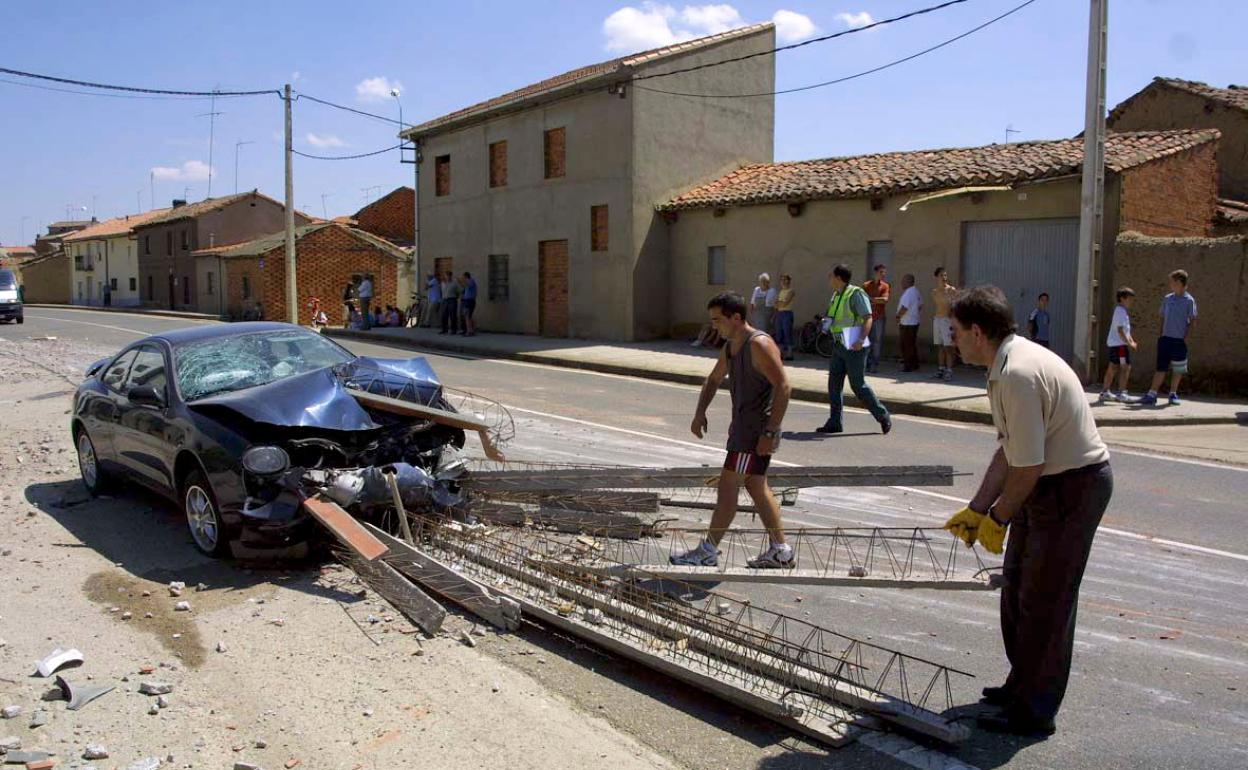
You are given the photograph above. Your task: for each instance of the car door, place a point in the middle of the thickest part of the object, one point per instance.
(143, 439)
(100, 411)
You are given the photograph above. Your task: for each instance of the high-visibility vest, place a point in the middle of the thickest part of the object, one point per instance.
(840, 309)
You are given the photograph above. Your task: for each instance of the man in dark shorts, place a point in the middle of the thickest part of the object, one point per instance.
(760, 396)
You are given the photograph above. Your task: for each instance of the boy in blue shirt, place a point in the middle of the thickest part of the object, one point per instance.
(1038, 321)
(1178, 316)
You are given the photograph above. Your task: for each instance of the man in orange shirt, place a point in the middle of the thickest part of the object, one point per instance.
(878, 290)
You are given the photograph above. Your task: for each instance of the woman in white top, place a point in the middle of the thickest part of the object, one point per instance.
(763, 304)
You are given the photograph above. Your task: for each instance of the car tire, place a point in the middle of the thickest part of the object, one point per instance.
(203, 517)
(21, 319)
(93, 476)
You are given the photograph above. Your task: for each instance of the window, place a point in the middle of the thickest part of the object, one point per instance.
(555, 153)
(598, 228)
(500, 278)
(147, 244)
(442, 175)
(148, 369)
(246, 287)
(716, 266)
(498, 164)
(115, 373)
(169, 242)
(210, 284)
(149, 289)
(134, 284)
(186, 290)
(185, 243)
(444, 265)
(112, 284)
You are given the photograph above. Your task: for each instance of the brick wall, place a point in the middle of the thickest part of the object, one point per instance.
(327, 260)
(1218, 270)
(237, 306)
(1174, 196)
(392, 217)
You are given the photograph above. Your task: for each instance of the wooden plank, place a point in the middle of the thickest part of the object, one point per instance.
(345, 527)
(440, 416)
(687, 574)
(498, 611)
(415, 604)
(579, 479)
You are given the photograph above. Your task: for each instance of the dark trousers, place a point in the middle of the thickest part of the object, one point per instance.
(852, 364)
(450, 316)
(1047, 551)
(368, 319)
(909, 336)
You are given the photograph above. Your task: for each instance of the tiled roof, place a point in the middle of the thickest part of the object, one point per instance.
(267, 243)
(1232, 96)
(867, 176)
(1234, 212)
(115, 226)
(619, 66)
(192, 210)
(17, 252)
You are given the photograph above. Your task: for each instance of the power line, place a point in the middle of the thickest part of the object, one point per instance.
(107, 95)
(346, 157)
(383, 118)
(811, 41)
(854, 76)
(133, 89)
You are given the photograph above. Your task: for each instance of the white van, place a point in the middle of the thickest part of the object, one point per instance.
(10, 299)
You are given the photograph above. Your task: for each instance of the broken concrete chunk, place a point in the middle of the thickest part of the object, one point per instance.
(25, 757)
(10, 743)
(467, 639)
(58, 659)
(176, 588)
(148, 763)
(95, 751)
(245, 766)
(221, 647)
(155, 688)
(153, 710)
(162, 702)
(594, 616)
(182, 607)
(38, 719)
(41, 764)
(201, 587)
(261, 743)
(10, 712)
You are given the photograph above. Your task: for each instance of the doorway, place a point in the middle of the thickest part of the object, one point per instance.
(552, 308)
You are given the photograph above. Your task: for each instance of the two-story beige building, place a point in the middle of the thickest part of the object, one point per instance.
(105, 261)
(547, 194)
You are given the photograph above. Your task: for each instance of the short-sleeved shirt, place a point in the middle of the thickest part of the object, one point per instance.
(876, 289)
(912, 301)
(1040, 410)
(1121, 319)
(1177, 312)
(1041, 319)
(366, 289)
(784, 299)
(435, 290)
(470, 289)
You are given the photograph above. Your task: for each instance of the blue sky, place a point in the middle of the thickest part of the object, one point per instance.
(60, 149)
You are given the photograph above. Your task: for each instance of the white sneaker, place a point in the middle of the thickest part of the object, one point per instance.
(1106, 396)
(1123, 398)
(777, 556)
(705, 555)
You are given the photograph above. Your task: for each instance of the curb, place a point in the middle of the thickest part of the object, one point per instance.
(129, 310)
(894, 406)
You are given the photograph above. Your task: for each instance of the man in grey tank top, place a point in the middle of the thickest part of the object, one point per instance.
(760, 395)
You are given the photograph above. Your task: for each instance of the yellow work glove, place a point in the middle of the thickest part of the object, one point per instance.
(965, 524)
(992, 535)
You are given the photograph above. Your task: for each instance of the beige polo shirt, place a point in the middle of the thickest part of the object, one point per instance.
(1040, 410)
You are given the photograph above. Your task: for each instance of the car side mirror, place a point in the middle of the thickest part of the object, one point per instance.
(146, 395)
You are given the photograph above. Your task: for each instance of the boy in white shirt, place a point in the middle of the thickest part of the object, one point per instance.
(1119, 345)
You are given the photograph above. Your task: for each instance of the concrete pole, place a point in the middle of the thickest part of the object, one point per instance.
(1093, 197)
(292, 293)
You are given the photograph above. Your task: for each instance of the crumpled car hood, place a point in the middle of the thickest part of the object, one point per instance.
(320, 399)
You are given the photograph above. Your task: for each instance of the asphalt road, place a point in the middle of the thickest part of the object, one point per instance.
(1161, 667)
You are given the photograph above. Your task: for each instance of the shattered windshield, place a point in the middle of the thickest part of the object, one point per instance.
(247, 360)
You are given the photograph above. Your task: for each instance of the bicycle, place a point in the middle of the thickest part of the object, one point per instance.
(415, 310)
(815, 338)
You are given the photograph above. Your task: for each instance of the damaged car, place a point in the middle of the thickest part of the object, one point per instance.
(238, 424)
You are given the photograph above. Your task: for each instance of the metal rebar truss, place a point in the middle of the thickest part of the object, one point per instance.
(815, 672)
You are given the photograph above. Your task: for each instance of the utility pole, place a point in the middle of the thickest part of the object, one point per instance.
(138, 200)
(324, 212)
(1092, 200)
(151, 180)
(236, 146)
(212, 123)
(292, 292)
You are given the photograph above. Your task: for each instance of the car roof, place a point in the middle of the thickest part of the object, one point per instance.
(199, 333)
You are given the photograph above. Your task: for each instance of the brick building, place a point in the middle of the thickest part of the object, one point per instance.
(1001, 214)
(168, 275)
(328, 256)
(392, 216)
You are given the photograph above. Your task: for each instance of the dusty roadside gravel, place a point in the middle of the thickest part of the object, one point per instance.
(314, 672)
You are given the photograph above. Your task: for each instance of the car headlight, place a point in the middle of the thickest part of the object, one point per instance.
(265, 460)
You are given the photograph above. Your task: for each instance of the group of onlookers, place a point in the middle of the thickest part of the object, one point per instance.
(452, 301)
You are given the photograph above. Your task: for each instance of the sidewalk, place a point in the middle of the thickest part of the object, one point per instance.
(132, 310)
(962, 400)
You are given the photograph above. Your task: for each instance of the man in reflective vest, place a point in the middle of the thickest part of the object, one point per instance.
(849, 321)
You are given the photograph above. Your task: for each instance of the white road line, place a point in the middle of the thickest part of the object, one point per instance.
(1190, 547)
(88, 323)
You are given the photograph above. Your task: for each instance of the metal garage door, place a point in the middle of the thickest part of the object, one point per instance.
(1024, 258)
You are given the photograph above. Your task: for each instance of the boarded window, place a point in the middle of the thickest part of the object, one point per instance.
(209, 275)
(555, 153)
(185, 243)
(134, 284)
(500, 278)
(598, 228)
(112, 284)
(442, 175)
(716, 265)
(442, 266)
(498, 164)
(150, 298)
(246, 287)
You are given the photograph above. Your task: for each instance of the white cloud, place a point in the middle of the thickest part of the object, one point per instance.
(296, 76)
(654, 24)
(860, 19)
(376, 89)
(792, 26)
(190, 171)
(324, 141)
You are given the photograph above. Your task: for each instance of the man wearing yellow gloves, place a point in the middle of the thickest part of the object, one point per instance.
(1048, 484)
